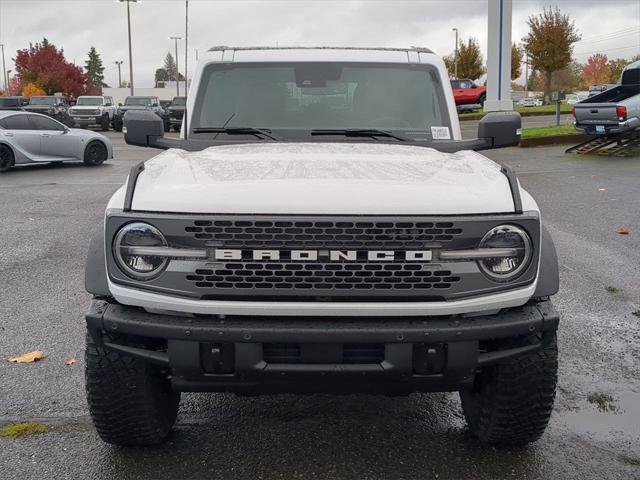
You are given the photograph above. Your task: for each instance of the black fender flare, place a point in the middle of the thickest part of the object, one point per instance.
(548, 276)
(95, 274)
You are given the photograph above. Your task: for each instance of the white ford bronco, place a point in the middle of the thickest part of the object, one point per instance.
(321, 226)
(93, 110)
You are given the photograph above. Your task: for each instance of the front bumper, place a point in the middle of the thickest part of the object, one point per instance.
(218, 353)
(86, 119)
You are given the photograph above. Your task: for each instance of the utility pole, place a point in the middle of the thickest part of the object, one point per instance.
(186, 46)
(130, 53)
(175, 39)
(4, 71)
(455, 55)
(119, 63)
(186, 59)
(526, 75)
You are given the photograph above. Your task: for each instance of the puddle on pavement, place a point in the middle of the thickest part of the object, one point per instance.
(606, 416)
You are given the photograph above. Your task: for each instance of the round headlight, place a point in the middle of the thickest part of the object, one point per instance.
(502, 268)
(133, 263)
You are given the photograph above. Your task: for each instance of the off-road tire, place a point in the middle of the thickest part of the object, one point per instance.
(130, 401)
(104, 123)
(95, 154)
(7, 158)
(511, 403)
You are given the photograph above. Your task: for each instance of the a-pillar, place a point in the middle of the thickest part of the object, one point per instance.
(499, 57)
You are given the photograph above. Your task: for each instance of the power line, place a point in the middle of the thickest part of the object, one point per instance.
(604, 50)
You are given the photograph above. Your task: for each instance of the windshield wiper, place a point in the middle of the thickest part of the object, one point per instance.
(361, 132)
(258, 132)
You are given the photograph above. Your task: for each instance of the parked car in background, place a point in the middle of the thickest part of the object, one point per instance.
(598, 88)
(13, 103)
(56, 107)
(27, 137)
(530, 102)
(574, 98)
(93, 110)
(466, 92)
(140, 103)
(614, 111)
(176, 112)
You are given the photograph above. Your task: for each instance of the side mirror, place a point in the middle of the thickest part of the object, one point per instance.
(140, 126)
(473, 85)
(500, 129)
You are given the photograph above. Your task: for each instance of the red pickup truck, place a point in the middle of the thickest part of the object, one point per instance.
(465, 92)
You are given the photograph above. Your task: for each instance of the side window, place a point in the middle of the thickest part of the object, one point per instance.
(18, 122)
(45, 123)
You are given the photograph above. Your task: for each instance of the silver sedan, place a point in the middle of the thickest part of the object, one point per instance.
(34, 138)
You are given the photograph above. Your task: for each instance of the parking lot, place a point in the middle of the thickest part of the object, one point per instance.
(48, 214)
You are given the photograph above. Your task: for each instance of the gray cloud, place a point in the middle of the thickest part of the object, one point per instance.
(75, 25)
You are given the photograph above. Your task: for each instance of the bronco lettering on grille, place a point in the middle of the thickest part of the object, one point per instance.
(326, 255)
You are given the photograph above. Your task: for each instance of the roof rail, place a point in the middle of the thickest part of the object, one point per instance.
(219, 48)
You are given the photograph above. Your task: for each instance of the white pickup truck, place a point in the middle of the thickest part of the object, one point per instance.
(321, 226)
(614, 111)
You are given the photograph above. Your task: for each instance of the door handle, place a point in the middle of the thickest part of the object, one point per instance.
(45, 135)
(7, 134)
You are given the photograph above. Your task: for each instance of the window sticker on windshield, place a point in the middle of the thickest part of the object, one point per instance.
(440, 133)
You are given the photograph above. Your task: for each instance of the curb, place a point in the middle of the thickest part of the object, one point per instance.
(478, 116)
(554, 140)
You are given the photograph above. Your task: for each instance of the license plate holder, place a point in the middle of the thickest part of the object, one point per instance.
(600, 129)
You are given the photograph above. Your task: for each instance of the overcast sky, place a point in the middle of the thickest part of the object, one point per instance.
(608, 26)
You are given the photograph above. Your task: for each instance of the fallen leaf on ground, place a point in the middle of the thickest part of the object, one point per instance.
(28, 357)
(70, 361)
(622, 231)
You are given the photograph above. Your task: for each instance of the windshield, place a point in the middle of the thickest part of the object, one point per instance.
(89, 101)
(301, 97)
(144, 101)
(43, 101)
(9, 102)
(179, 101)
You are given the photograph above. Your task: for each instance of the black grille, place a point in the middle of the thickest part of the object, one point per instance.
(348, 353)
(319, 234)
(319, 276)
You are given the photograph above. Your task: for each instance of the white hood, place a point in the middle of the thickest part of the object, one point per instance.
(322, 178)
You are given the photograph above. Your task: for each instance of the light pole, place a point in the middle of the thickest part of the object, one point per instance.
(119, 64)
(130, 54)
(4, 70)
(8, 73)
(455, 55)
(175, 39)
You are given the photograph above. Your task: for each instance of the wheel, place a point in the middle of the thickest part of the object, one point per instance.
(95, 154)
(7, 159)
(511, 402)
(117, 126)
(167, 127)
(130, 401)
(482, 99)
(176, 128)
(104, 123)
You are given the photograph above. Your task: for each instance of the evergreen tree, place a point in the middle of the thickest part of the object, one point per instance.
(170, 66)
(95, 69)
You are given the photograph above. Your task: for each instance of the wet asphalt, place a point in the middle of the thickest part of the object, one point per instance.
(47, 215)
